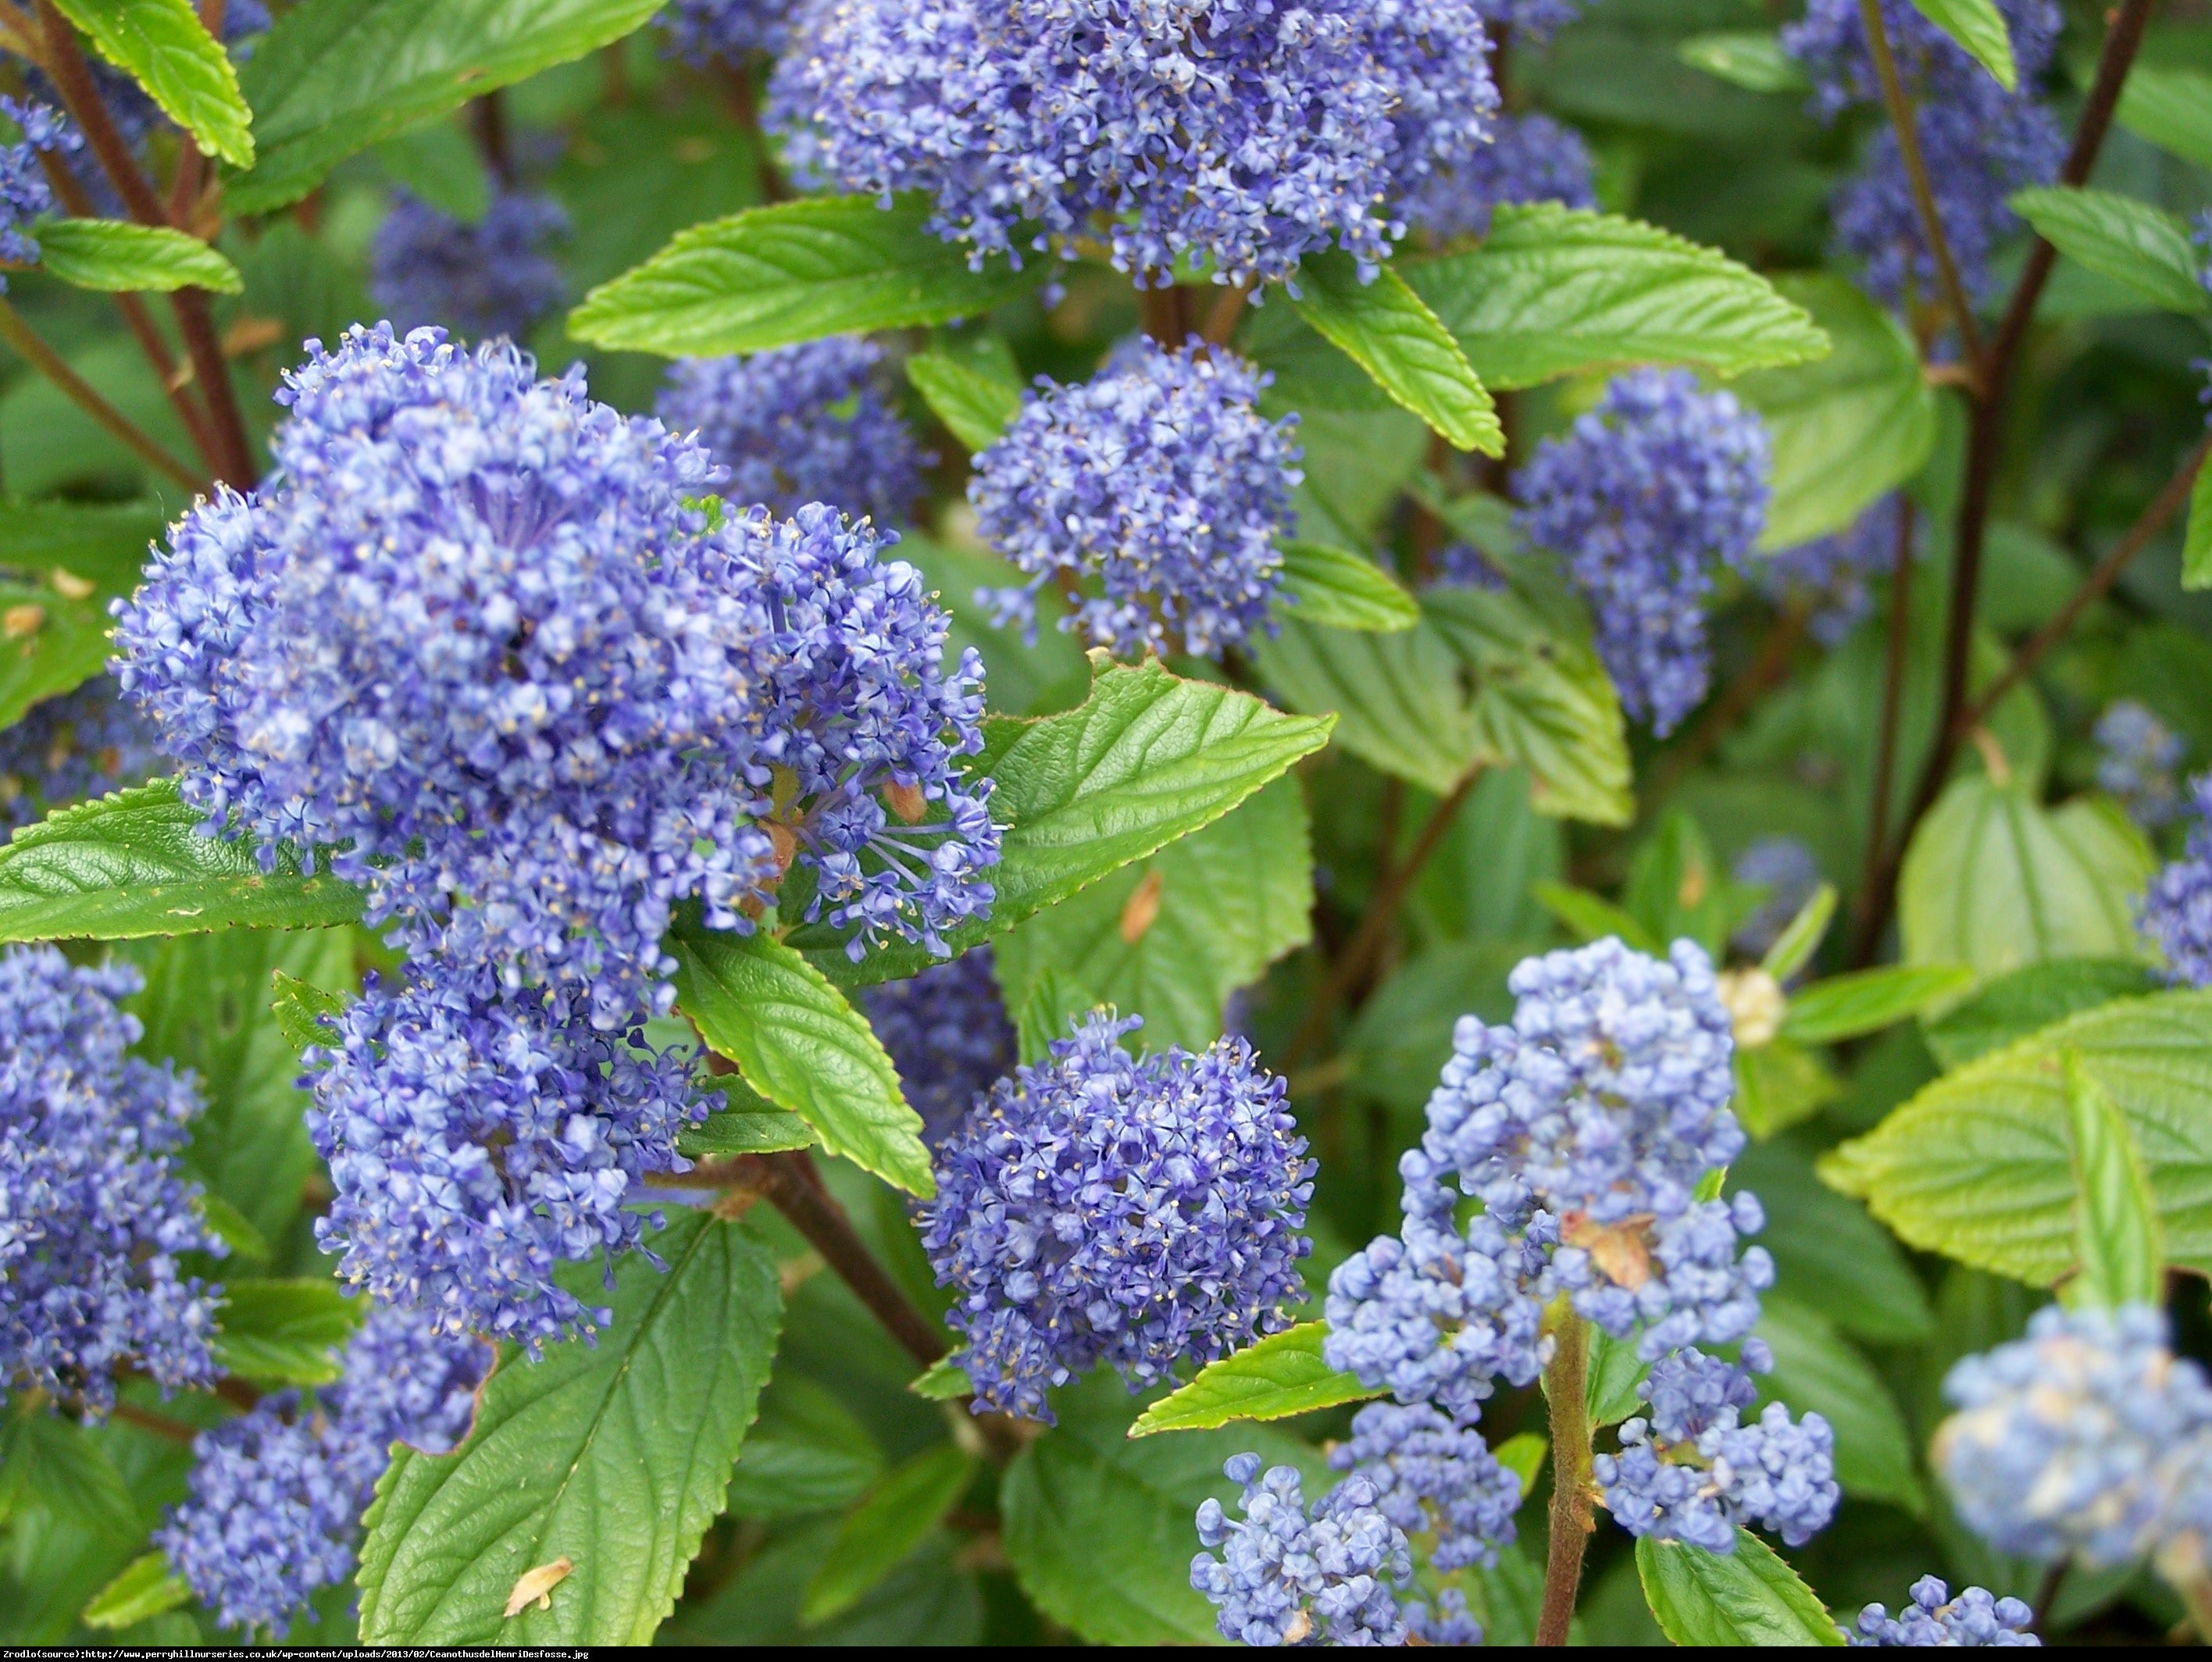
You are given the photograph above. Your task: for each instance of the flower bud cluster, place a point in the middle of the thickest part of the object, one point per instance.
(948, 1035)
(2176, 916)
(2137, 756)
(1975, 1617)
(1286, 1576)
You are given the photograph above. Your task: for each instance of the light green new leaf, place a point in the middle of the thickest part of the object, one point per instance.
(1978, 1165)
(1043, 1012)
(304, 1013)
(133, 864)
(1750, 58)
(1868, 1000)
(335, 76)
(285, 1332)
(2197, 541)
(1552, 291)
(49, 645)
(2171, 108)
(1746, 1596)
(2116, 1241)
(164, 47)
(116, 256)
(2116, 236)
(1383, 326)
(1614, 1387)
(1591, 917)
(1979, 29)
(943, 1380)
(799, 1044)
(145, 1588)
(1278, 1376)
(614, 1454)
(1779, 1084)
(1818, 1369)
(1340, 590)
(976, 407)
(1794, 946)
(878, 1533)
(795, 271)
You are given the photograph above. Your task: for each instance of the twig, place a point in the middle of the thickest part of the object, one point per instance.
(744, 104)
(80, 392)
(2047, 1595)
(487, 121)
(1892, 709)
(1226, 313)
(1165, 312)
(1566, 1384)
(160, 1424)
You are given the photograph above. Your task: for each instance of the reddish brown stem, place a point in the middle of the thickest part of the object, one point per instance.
(1893, 707)
(1226, 313)
(1566, 1384)
(744, 104)
(1165, 312)
(160, 1424)
(487, 121)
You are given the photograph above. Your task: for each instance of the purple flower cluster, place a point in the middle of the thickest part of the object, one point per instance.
(1245, 133)
(1693, 1471)
(1433, 1476)
(85, 742)
(1138, 1211)
(800, 424)
(1288, 1577)
(1975, 1617)
(1644, 499)
(2088, 1436)
(1529, 19)
(1830, 575)
(1160, 478)
(2137, 756)
(948, 1035)
(1533, 158)
(25, 195)
(701, 32)
(494, 278)
(2176, 909)
(93, 1213)
(1786, 870)
(1980, 143)
(274, 1509)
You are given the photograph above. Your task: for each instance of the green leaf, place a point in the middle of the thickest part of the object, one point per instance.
(800, 1045)
(1993, 880)
(49, 645)
(745, 1132)
(1746, 1596)
(163, 46)
(807, 1453)
(1614, 1386)
(1148, 758)
(1979, 29)
(115, 256)
(304, 1013)
(58, 1466)
(1397, 698)
(1978, 1165)
(2172, 108)
(133, 864)
(1340, 590)
(2116, 236)
(2116, 1239)
(1385, 328)
(943, 1380)
(976, 407)
(1847, 428)
(1868, 1000)
(1591, 917)
(146, 1588)
(233, 1228)
(891, 1523)
(1552, 291)
(1828, 1252)
(285, 1332)
(1779, 1084)
(2013, 1006)
(335, 76)
(614, 1454)
(1750, 58)
(100, 543)
(1794, 946)
(2197, 540)
(1043, 1015)
(795, 271)
(1278, 1376)
(1675, 889)
(1817, 1369)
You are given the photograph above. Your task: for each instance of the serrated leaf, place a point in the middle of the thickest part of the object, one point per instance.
(102, 544)
(285, 1332)
(1751, 58)
(2197, 539)
(1591, 917)
(744, 1131)
(1801, 937)
(164, 47)
(878, 1534)
(1385, 328)
(2013, 1006)
(114, 256)
(614, 1455)
(2145, 247)
(1979, 29)
(807, 1453)
(133, 864)
(2118, 1249)
(1746, 1596)
(1552, 291)
(1978, 1165)
(335, 76)
(304, 1013)
(49, 645)
(799, 1044)
(1397, 698)
(1340, 590)
(976, 407)
(1273, 1379)
(145, 1588)
(1868, 1000)
(794, 271)
(1818, 1370)
(1828, 1252)
(55, 1465)
(2172, 108)
(943, 1380)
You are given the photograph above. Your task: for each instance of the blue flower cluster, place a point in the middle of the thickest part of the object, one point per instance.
(2176, 909)
(1433, 1476)
(2137, 757)
(1100, 1207)
(273, 1513)
(25, 195)
(2089, 1436)
(1830, 575)
(1288, 1577)
(1981, 143)
(496, 277)
(93, 1212)
(1786, 870)
(1529, 19)
(1643, 498)
(82, 743)
(1244, 133)
(1160, 478)
(703, 31)
(948, 1035)
(1532, 158)
(800, 424)
(1975, 1617)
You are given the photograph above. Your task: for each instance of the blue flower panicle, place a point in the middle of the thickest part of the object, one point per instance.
(948, 1035)
(1434, 1476)
(1532, 158)
(496, 277)
(2176, 912)
(1644, 499)
(1831, 576)
(1138, 1211)
(1159, 478)
(94, 1211)
(1533, 20)
(1975, 1617)
(1288, 1576)
(702, 32)
(2137, 757)
(82, 743)
(25, 195)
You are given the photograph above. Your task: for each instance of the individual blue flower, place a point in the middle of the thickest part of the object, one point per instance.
(800, 424)
(1786, 870)
(94, 1210)
(702, 32)
(1532, 159)
(1245, 133)
(81, 743)
(1160, 479)
(2176, 915)
(1288, 1577)
(948, 1035)
(2137, 756)
(25, 195)
(494, 278)
(1975, 1617)
(1434, 1476)
(2089, 1437)
(276, 1496)
(1139, 1211)
(1830, 576)
(1448, 1622)
(1644, 499)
